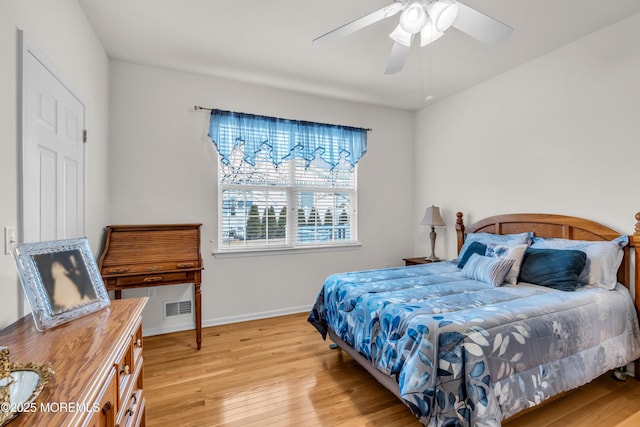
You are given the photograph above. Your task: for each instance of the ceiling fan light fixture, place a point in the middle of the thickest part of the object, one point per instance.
(413, 18)
(443, 13)
(429, 34)
(401, 36)
(430, 18)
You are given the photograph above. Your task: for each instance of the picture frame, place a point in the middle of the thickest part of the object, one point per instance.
(61, 280)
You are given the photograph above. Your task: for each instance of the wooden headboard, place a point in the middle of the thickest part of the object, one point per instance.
(559, 226)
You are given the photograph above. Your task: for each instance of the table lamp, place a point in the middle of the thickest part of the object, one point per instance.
(432, 218)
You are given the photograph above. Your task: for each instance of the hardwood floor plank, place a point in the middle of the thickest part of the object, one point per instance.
(279, 372)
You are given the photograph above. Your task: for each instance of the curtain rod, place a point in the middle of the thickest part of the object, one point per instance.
(198, 108)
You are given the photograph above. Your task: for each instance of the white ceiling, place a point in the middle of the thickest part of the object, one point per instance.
(269, 42)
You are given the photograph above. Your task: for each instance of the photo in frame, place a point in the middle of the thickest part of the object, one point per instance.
(61, 280)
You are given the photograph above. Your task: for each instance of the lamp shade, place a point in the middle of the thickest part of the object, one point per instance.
(401, 36)
(413, 18)
(429, 34)
(432, 217)
(443, 13)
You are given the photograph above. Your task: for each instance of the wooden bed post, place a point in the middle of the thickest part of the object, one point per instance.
(459, 230)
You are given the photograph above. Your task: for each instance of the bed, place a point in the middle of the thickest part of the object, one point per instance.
(544, 307)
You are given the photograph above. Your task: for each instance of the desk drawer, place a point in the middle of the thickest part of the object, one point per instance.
(149, 268)
(150, 279)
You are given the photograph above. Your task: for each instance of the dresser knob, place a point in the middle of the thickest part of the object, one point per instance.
(107, 407)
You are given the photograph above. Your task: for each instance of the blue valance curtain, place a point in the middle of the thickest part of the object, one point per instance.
(285, 139)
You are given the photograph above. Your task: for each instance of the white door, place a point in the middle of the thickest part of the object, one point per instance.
(53, 157)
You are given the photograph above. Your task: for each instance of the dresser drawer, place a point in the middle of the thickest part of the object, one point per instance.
(125, 375)
(137, 343)
(133, 411)
(106, 404)
(129, 379)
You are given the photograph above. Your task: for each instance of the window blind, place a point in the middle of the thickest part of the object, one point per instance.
(289, 203)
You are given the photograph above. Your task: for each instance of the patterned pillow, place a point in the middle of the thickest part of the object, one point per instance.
(474, 248)
(553, 268)
(603, 258)
(514, 252)
(500, 239)
(486, 269)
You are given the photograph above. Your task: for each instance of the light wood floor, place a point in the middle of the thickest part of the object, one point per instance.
(279, 372)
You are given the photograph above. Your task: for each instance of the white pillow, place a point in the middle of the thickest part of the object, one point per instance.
(499, 239)
(487, 269)
(516, 253)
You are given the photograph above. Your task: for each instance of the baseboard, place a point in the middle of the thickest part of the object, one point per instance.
(256, 316)
(148, 332)
(225, 320)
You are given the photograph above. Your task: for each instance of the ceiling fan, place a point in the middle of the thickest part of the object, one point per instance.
(429, 18)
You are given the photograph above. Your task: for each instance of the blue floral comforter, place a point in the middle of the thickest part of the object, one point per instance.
(466, 353)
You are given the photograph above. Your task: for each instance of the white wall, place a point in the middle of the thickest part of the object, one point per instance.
(163, 170)
(62, 33)
(560, 134)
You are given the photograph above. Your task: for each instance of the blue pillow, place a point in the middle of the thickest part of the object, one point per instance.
(603, 258)
(553, 268)
(474, 248)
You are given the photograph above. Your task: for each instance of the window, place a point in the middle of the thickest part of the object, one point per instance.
(292, 202)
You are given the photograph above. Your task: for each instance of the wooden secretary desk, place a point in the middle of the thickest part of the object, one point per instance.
(140, 256)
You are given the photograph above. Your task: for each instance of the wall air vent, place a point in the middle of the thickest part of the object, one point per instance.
(177, 308)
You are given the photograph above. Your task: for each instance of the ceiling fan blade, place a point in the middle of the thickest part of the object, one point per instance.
(399, 53)
(481, 26)
(359, 23)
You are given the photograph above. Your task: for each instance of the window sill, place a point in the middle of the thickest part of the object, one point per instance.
(241, 253)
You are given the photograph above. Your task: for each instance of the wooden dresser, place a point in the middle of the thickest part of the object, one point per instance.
(137, 256)
(97, 360)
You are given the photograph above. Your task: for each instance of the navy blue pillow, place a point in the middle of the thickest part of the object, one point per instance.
(474, 248)
(554, 268)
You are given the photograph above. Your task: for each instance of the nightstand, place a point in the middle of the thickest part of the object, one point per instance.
(414, 261)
